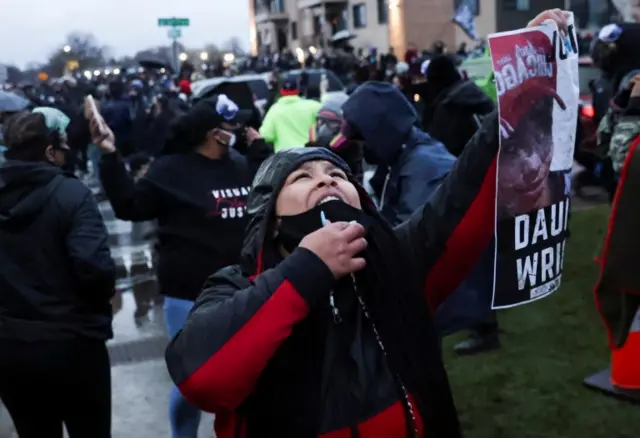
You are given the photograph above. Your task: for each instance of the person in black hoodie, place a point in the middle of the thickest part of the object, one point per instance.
(56, 281)
(324, 328)
(197, 193)
(457, 110)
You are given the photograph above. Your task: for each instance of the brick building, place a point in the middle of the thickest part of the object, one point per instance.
(279, 24)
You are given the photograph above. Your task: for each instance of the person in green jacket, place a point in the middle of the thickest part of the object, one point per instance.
(488, 85)
(287, 123)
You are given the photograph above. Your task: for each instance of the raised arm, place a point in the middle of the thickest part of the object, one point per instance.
(130, 201)
(448, 235)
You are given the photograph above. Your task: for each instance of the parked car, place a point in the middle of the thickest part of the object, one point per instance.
(258, 83)
(315, 76)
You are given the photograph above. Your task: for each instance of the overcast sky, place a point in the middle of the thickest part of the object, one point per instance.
(30, 30)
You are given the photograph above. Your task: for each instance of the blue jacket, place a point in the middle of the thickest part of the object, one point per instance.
(416, 165)
(414, 177)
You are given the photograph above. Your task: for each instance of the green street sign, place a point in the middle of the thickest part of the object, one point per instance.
(173, 22)
(175, 33)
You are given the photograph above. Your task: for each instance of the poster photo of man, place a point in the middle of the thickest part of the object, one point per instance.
(537, 84)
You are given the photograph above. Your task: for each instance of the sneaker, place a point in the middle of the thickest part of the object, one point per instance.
(477, 344)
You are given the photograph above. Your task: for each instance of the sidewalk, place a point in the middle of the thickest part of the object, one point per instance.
(140, 404)
(140, 389)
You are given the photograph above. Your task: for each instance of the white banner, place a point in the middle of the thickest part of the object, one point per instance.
(536, 74)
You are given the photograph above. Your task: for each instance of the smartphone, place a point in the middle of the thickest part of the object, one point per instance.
(93, 109)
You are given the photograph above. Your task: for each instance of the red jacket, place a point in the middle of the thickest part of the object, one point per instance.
(255, 348)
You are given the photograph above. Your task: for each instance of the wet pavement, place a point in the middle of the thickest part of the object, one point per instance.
(140, 404)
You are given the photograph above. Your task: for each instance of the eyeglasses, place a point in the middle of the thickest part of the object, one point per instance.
(226, 107)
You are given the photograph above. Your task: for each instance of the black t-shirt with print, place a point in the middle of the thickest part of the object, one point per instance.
(200, 208)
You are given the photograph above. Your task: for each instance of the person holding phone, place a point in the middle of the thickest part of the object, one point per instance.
(324, 328)
(197, 193)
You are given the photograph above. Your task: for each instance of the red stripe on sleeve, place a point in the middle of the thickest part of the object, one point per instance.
(466, 244)
(607, 240)
(229, 376)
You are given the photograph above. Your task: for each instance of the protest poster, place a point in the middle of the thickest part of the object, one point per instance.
(536, 75)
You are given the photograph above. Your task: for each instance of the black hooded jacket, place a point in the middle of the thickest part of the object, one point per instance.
(260, 345)
(56, 272)
(457, 114)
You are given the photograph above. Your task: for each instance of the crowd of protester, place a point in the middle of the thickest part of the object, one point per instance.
(297, 303)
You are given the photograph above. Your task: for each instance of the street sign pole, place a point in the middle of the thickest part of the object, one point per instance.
(174, 52)
(175, 32)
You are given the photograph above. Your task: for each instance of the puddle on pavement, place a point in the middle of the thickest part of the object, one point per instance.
(138, 314)
(137, 306)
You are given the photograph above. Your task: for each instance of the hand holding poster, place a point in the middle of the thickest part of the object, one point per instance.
(536, 74)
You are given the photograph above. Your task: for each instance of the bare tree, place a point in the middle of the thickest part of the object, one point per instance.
(234, 45)
(212, 50)
(161, 53)
(85, 46)
(78, 47)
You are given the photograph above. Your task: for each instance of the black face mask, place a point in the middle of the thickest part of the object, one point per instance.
(293, 229)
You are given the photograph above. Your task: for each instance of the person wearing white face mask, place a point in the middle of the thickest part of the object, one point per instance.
(197, 193)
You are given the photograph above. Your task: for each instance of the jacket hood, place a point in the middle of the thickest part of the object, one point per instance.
(334, 104)
(24, 188)
(468, 95)
(624, 82)
(266, 186)
(436, 160)
(383, 116)
(421, 138)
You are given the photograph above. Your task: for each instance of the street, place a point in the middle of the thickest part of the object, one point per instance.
(140, 389)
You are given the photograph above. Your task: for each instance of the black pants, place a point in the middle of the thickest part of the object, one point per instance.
(488, 326)
(46, 384)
